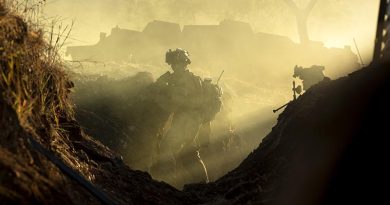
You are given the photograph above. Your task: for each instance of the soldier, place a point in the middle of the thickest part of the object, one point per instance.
(191, 102)
(310, 76)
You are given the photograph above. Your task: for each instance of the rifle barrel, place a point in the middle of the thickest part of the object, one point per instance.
(281, 107)
(357, 49)
(220, 76)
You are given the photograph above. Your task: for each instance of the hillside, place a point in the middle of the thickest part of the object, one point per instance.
(327, 148)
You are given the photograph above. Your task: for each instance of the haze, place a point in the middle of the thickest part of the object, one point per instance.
(334, 22)
(258, 65)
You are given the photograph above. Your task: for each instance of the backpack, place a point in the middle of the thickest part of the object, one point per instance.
(212, 102)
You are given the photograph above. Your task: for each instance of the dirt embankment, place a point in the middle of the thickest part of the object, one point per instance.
(34, 105)
(328, 147)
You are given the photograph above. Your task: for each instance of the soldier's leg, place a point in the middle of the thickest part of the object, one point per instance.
(193, 165)
(189, 156)
(165, 167)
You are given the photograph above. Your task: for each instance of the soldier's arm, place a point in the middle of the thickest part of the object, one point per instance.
(158, 91)
(161, 84)
(163, 79)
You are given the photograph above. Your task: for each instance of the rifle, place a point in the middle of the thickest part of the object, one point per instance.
(358, 52)
(296, 90)
(281, 107)
(220, 76)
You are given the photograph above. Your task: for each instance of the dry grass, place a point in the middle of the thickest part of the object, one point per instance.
(32, 79)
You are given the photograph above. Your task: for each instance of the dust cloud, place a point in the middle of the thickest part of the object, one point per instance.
(258, 62)
(334, 22)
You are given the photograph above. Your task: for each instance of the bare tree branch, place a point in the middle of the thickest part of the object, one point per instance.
(292, 5)
(301, 16)
(310, 7)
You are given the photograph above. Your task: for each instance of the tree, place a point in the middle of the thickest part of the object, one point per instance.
(301, 16)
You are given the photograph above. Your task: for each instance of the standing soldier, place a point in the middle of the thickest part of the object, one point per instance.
(191, 102)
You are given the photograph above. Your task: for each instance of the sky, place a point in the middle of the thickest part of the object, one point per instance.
(334, 22)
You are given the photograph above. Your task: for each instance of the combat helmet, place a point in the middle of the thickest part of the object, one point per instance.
(178, 55)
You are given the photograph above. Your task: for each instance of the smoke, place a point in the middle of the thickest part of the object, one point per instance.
(335, 22)
(255, 85)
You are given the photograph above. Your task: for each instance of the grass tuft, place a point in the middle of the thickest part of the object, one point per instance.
(32, 79)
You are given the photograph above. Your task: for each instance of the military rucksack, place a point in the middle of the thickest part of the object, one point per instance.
(212, 94)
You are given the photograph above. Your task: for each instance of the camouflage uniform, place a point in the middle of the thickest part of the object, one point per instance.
(190, 102)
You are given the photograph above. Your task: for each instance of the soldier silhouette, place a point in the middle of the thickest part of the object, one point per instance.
(192, 103)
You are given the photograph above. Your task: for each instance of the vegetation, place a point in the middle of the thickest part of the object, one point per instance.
(32, 79)
(34, 93)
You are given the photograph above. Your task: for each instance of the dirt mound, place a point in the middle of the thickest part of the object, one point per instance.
(34, 107)
(324, 149)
